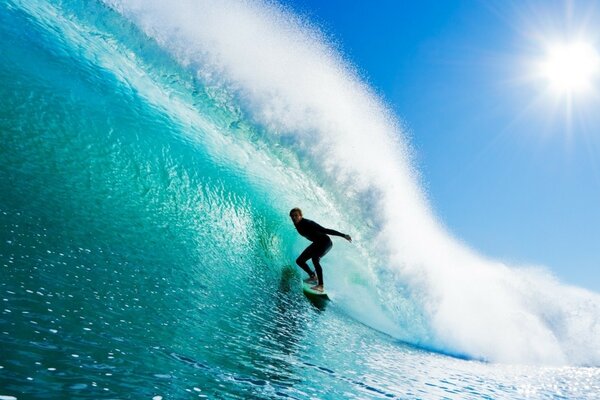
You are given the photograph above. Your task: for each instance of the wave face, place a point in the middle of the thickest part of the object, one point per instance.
(150, 154)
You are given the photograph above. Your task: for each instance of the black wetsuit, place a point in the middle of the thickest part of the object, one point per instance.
(321, 244)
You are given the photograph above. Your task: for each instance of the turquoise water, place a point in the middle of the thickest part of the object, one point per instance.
(146, 251)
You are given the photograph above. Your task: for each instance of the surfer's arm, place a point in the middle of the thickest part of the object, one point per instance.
(336, 233)
(333, 232)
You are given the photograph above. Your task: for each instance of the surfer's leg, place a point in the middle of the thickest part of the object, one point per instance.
(319, 270)
(316, 258)
(304, 257)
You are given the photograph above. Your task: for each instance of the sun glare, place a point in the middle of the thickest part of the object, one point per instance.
(570, 68)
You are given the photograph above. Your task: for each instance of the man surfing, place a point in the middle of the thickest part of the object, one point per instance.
(321, 244)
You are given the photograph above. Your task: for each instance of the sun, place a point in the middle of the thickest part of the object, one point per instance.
(570, 68)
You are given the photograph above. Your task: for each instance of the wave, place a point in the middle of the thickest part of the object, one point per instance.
(264, 97)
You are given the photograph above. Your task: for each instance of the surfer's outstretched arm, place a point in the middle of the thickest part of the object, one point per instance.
(333, 232)
(347, 237)
(336, 233)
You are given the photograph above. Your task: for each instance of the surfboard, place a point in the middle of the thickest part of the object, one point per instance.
(306, 287)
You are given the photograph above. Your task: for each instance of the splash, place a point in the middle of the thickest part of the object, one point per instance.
(353, 167)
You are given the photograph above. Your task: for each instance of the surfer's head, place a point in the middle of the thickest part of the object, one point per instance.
(296, 215)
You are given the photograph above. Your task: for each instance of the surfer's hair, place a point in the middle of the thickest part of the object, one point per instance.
(296, 209)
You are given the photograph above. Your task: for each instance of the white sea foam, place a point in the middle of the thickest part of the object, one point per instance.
(437, 291)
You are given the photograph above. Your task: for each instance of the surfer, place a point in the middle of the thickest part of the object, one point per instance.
(321, 244)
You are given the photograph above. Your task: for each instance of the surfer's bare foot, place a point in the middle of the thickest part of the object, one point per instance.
(318, 287)
(312, 279)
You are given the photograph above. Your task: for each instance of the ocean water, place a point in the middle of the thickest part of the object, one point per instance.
(150, 153)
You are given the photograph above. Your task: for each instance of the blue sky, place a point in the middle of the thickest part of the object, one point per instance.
(509, 168)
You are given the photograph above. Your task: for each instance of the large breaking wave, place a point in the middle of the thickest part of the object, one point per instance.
(297, 126)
